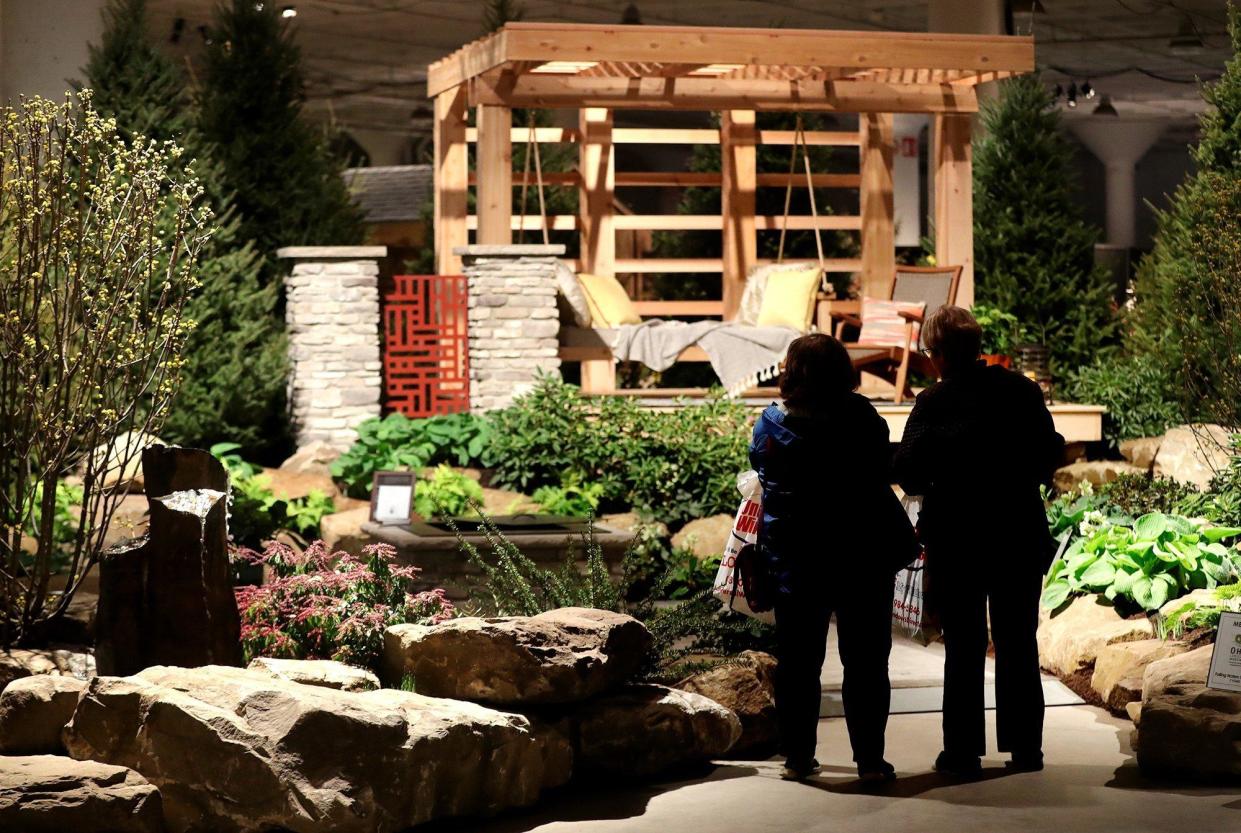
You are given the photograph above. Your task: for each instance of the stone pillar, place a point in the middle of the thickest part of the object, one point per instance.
(332, 312)
(514, 320)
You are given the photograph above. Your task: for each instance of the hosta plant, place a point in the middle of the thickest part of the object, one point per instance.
(399, 443)
(1143, 564)
(326, 605)
(99, 238)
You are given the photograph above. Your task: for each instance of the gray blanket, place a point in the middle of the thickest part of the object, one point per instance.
(741, 355)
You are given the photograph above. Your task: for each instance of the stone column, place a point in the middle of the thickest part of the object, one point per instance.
(514, 321)
(332, 312)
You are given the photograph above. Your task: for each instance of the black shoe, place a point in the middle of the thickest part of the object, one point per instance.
(959, 766)
(800, 770)
(1026, 762)
(881, 772)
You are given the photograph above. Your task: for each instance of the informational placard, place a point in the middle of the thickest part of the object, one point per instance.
(392, 497)
(1226, 657)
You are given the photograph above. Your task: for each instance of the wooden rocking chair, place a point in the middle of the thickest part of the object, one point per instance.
(932, 286)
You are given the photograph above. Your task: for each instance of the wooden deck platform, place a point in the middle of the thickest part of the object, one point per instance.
(1078, 423)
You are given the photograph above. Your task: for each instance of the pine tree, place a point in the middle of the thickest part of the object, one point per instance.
(233, 384)
(287, 186)
(1187, 316)
(1033, 252)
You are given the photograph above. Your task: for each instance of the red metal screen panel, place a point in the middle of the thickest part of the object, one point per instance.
(426, 355)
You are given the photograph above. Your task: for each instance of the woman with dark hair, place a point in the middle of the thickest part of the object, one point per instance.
(833, 536)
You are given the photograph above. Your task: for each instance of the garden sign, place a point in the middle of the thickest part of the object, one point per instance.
(1225, 670)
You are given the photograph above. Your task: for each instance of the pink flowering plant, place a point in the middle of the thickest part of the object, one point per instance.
(325, 605)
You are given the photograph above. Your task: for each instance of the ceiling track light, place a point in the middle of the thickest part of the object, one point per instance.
(288, 11)
(632, 16)
(1071, 96)
(178, 28)
(1088, 90)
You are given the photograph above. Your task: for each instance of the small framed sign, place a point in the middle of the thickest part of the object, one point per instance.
(392, 497)
(1225, 670)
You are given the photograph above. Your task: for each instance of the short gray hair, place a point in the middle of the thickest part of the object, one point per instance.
(953, 333)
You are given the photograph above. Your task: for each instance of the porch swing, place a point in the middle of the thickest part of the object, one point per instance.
(743, 353)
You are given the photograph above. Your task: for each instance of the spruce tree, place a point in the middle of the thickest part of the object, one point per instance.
(235, 375)
(1033, 252)
(1187, 316)
(286, 184)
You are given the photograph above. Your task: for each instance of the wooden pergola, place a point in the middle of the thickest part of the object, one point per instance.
(736, 72)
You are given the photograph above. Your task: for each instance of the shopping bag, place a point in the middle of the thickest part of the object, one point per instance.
(739, 564)
(912, 614)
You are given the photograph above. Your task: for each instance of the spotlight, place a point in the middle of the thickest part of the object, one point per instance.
(1088, 90)
(1105, 107)
(1072, 96)
(631, 16)
(1057, 92)
(205, 34)
(288, 11)
(178, 27)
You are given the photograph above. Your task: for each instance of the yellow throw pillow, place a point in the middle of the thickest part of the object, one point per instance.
(788, 299)
(609, 305)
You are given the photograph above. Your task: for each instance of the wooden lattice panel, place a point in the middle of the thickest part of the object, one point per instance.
(426, 345)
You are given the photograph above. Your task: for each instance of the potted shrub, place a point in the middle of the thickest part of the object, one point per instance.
(1000, 331)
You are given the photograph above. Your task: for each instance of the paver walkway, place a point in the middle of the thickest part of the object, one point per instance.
(1091, 785)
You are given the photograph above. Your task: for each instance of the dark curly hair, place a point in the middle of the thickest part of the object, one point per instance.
(817, 369)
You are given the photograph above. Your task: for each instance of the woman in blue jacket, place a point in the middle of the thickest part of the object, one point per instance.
(833, 536)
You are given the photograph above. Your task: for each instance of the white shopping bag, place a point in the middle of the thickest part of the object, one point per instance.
(728, 588)
(911, 617)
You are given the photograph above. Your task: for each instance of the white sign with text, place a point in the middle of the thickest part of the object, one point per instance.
(1225, 670)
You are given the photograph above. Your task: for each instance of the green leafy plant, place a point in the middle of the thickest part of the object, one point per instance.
(448, 493)
(1001, 331)
(569, 498)
(397, 442)
(671, 466)
(255, 513)
(1145, 563)
(689, 575)
(1137, 390)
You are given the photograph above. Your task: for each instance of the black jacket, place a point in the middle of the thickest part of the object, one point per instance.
(977, 447)
(829, 513)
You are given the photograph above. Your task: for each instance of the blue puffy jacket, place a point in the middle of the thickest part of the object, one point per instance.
(829, 512)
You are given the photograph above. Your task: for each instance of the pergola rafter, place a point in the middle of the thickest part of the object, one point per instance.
(599, 69)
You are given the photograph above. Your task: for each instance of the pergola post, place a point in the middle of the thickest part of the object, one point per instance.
(877, 204)
(452, 179)
(495, 175)
(954, 200)
(597, 233)
(738, 169)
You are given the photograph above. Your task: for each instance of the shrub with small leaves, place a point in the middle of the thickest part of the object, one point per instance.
(448, 493)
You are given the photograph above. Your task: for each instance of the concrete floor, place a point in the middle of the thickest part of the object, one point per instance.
(1091, 784)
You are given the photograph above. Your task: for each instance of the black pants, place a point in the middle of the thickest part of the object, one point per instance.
(962, 597)
(864, 621)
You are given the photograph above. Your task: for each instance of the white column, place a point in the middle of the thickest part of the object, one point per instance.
(1119, 144)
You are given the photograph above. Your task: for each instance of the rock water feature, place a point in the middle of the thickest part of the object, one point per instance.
(168, 599)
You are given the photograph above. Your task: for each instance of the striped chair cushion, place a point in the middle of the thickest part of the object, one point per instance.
(882, 325)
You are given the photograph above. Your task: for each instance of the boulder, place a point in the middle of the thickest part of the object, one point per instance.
(169, 599)
(561, 656)
(505, 502)
(745, 685)
(1095, 472)
(1118, 669)
(645, 730)
(237, 750)
(287, 484)
(705, 537)
(65, 661)
(1069, 641)
(1141, 451)
(343, 530)
(118, 464)
(52, 794)
(321, 672)
(1187, 730)
(314, 458)
(1193, 454)
(34, 710)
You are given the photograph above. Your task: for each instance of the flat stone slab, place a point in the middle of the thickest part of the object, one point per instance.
(1070, 640)
(561, 656)
(320, 672)
(55, 794)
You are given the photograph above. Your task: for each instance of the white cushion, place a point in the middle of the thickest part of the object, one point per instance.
(572, 292)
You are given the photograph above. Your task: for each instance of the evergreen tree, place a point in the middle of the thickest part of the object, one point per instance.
(1187, 317)
(286, 184)
(1033, 252)
(234, 380)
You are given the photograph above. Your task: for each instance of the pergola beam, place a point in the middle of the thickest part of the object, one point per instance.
(552, 91)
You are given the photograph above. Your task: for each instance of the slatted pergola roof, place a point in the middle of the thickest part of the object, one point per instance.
(597, 69)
